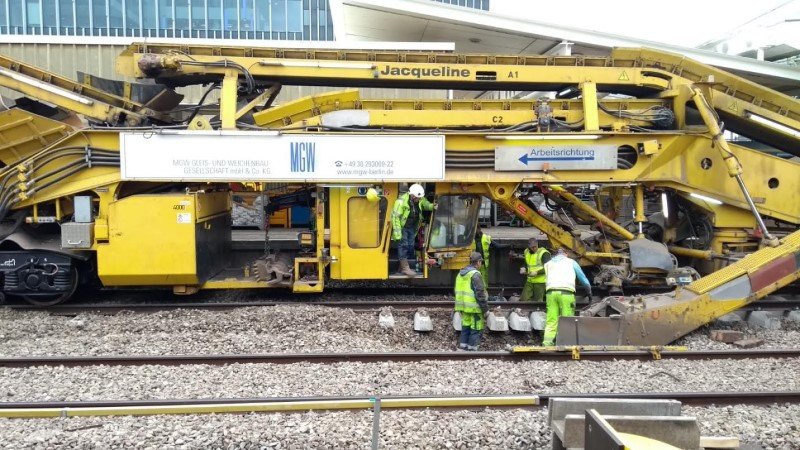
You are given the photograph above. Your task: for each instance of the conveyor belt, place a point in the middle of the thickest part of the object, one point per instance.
(71, 95)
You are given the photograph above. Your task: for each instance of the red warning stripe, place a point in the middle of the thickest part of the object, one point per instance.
(773, 271)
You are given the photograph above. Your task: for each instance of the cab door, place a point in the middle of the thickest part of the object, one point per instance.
(360, 231)
(451, 236)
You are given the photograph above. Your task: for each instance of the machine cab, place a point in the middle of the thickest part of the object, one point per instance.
(451, 232)
(361, 231)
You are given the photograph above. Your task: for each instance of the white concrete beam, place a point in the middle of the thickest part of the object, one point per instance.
(433, 11)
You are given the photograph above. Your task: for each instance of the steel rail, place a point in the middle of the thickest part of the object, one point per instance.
(358, 305)
(355, 305)
(293, 404)
(524, 354)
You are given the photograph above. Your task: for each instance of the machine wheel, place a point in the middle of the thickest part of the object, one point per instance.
(51, 300)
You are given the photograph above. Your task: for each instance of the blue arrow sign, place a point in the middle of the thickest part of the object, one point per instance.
(525, 159)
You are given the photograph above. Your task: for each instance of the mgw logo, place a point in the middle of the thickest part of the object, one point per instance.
(302, 156)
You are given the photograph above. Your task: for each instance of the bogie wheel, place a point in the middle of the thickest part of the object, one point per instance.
(51, 300)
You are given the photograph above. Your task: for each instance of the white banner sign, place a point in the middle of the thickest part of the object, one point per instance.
(269, 156)
(555, 157)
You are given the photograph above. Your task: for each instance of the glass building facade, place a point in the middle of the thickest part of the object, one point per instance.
(220, 19)
(476, 4)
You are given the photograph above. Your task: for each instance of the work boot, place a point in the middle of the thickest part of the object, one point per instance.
(406, 270)
(402, 266)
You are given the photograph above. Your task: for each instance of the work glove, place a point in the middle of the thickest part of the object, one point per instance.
(589, 292)
(522, 271)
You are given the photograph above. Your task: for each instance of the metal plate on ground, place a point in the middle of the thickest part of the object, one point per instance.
(599, 435)
(555, 157)
(588, 331)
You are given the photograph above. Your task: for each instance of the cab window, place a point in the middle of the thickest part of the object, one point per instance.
(454, 221)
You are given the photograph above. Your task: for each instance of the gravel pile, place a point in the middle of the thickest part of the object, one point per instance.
(787, 337)
(770, 428)
(393, 378)
(279, 329)
(246, 215)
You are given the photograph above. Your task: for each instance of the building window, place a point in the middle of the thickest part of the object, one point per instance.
(214, 16)
(82, 17)
(182, 15)
(198, 18)
(32, 9)
(261, 15)
(294, 16)
(277, 11)
(99, 18)
(49, 16)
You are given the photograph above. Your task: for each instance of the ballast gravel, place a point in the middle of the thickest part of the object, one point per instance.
(271, 329)
(760, 427)
(46, 383)
(278, 329)
(292, 328)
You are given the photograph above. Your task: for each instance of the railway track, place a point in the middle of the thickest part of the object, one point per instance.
(357, 305)
(289, 404)
(399, 297)
(520, 354)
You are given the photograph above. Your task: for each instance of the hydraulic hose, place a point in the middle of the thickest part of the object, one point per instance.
(200, 103)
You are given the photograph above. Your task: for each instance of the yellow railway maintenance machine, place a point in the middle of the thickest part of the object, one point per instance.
(142, 197)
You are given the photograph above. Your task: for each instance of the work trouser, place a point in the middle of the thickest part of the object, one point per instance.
(405, 248)
(559, 304)
(485, 275)
(471, 330)
(533, 292)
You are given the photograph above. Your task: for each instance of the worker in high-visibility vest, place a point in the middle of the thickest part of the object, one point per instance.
(406, 214)
(483, 245)
(560, 273)
(472, 301)
(535, 258)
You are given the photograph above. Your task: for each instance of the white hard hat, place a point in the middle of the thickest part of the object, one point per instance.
(417, 190)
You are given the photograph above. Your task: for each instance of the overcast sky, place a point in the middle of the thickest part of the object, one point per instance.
(681, 22)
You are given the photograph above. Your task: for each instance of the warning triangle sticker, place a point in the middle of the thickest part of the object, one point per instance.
(624, 77)
(734, 107)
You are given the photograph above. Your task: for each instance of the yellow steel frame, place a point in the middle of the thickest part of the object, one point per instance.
(732, 94)
(667, 168)
(306, 111)
(288, 65)
(627, 68)
(23, 133)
